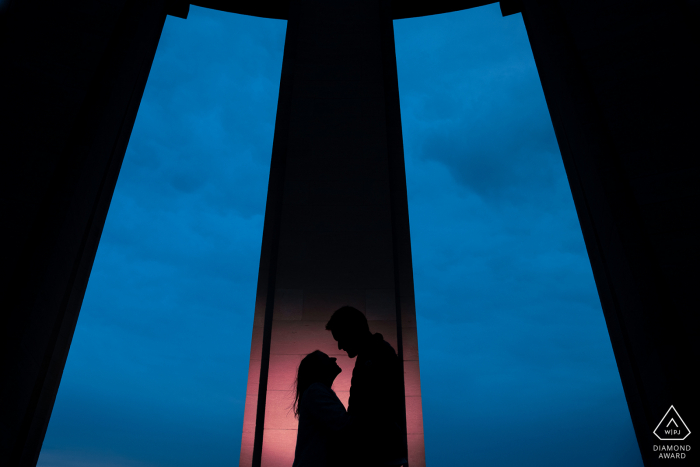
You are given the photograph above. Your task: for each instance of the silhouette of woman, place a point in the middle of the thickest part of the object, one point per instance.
(321, 415)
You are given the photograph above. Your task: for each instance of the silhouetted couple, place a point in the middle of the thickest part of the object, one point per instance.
(369, 433)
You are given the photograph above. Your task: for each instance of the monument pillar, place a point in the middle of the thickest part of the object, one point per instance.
(620, 83)
(336, 226)
(73, 77)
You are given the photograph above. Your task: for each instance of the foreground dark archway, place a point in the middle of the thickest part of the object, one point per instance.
(624, 128)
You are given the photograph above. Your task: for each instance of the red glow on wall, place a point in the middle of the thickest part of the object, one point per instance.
(293, 337)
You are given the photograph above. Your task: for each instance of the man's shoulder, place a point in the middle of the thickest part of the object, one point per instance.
(382, 348)
(380, 354)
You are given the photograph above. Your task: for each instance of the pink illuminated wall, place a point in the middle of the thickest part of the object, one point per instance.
(336, 223)
(299, 328)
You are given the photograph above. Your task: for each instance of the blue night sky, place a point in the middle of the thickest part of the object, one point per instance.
(517, 366)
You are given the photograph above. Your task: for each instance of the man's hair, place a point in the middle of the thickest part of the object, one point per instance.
(348, 319)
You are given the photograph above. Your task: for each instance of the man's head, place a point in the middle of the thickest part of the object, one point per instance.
(350, 329)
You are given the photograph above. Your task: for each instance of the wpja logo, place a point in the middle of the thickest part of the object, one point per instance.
(671, 428)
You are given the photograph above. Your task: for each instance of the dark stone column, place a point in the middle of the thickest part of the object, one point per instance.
(620, 82)
(73, 74)
(336, 223)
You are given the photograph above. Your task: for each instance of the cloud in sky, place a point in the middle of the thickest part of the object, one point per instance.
(516, 363)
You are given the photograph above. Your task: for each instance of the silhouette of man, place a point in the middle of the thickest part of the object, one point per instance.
(376, 405)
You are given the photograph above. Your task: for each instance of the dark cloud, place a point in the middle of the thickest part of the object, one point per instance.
(516, 364)
(477, 104)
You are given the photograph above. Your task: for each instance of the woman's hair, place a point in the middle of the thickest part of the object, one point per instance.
(310, 371)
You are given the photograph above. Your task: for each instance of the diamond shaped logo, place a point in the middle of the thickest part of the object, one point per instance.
(671, 427)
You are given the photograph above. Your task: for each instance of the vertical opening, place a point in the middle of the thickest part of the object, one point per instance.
(157, 369)
(516, 363)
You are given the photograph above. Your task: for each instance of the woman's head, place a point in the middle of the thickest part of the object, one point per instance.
(316, 367)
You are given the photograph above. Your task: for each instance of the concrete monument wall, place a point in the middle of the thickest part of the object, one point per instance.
(621, 88)
(73, 74)
(336, 224)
